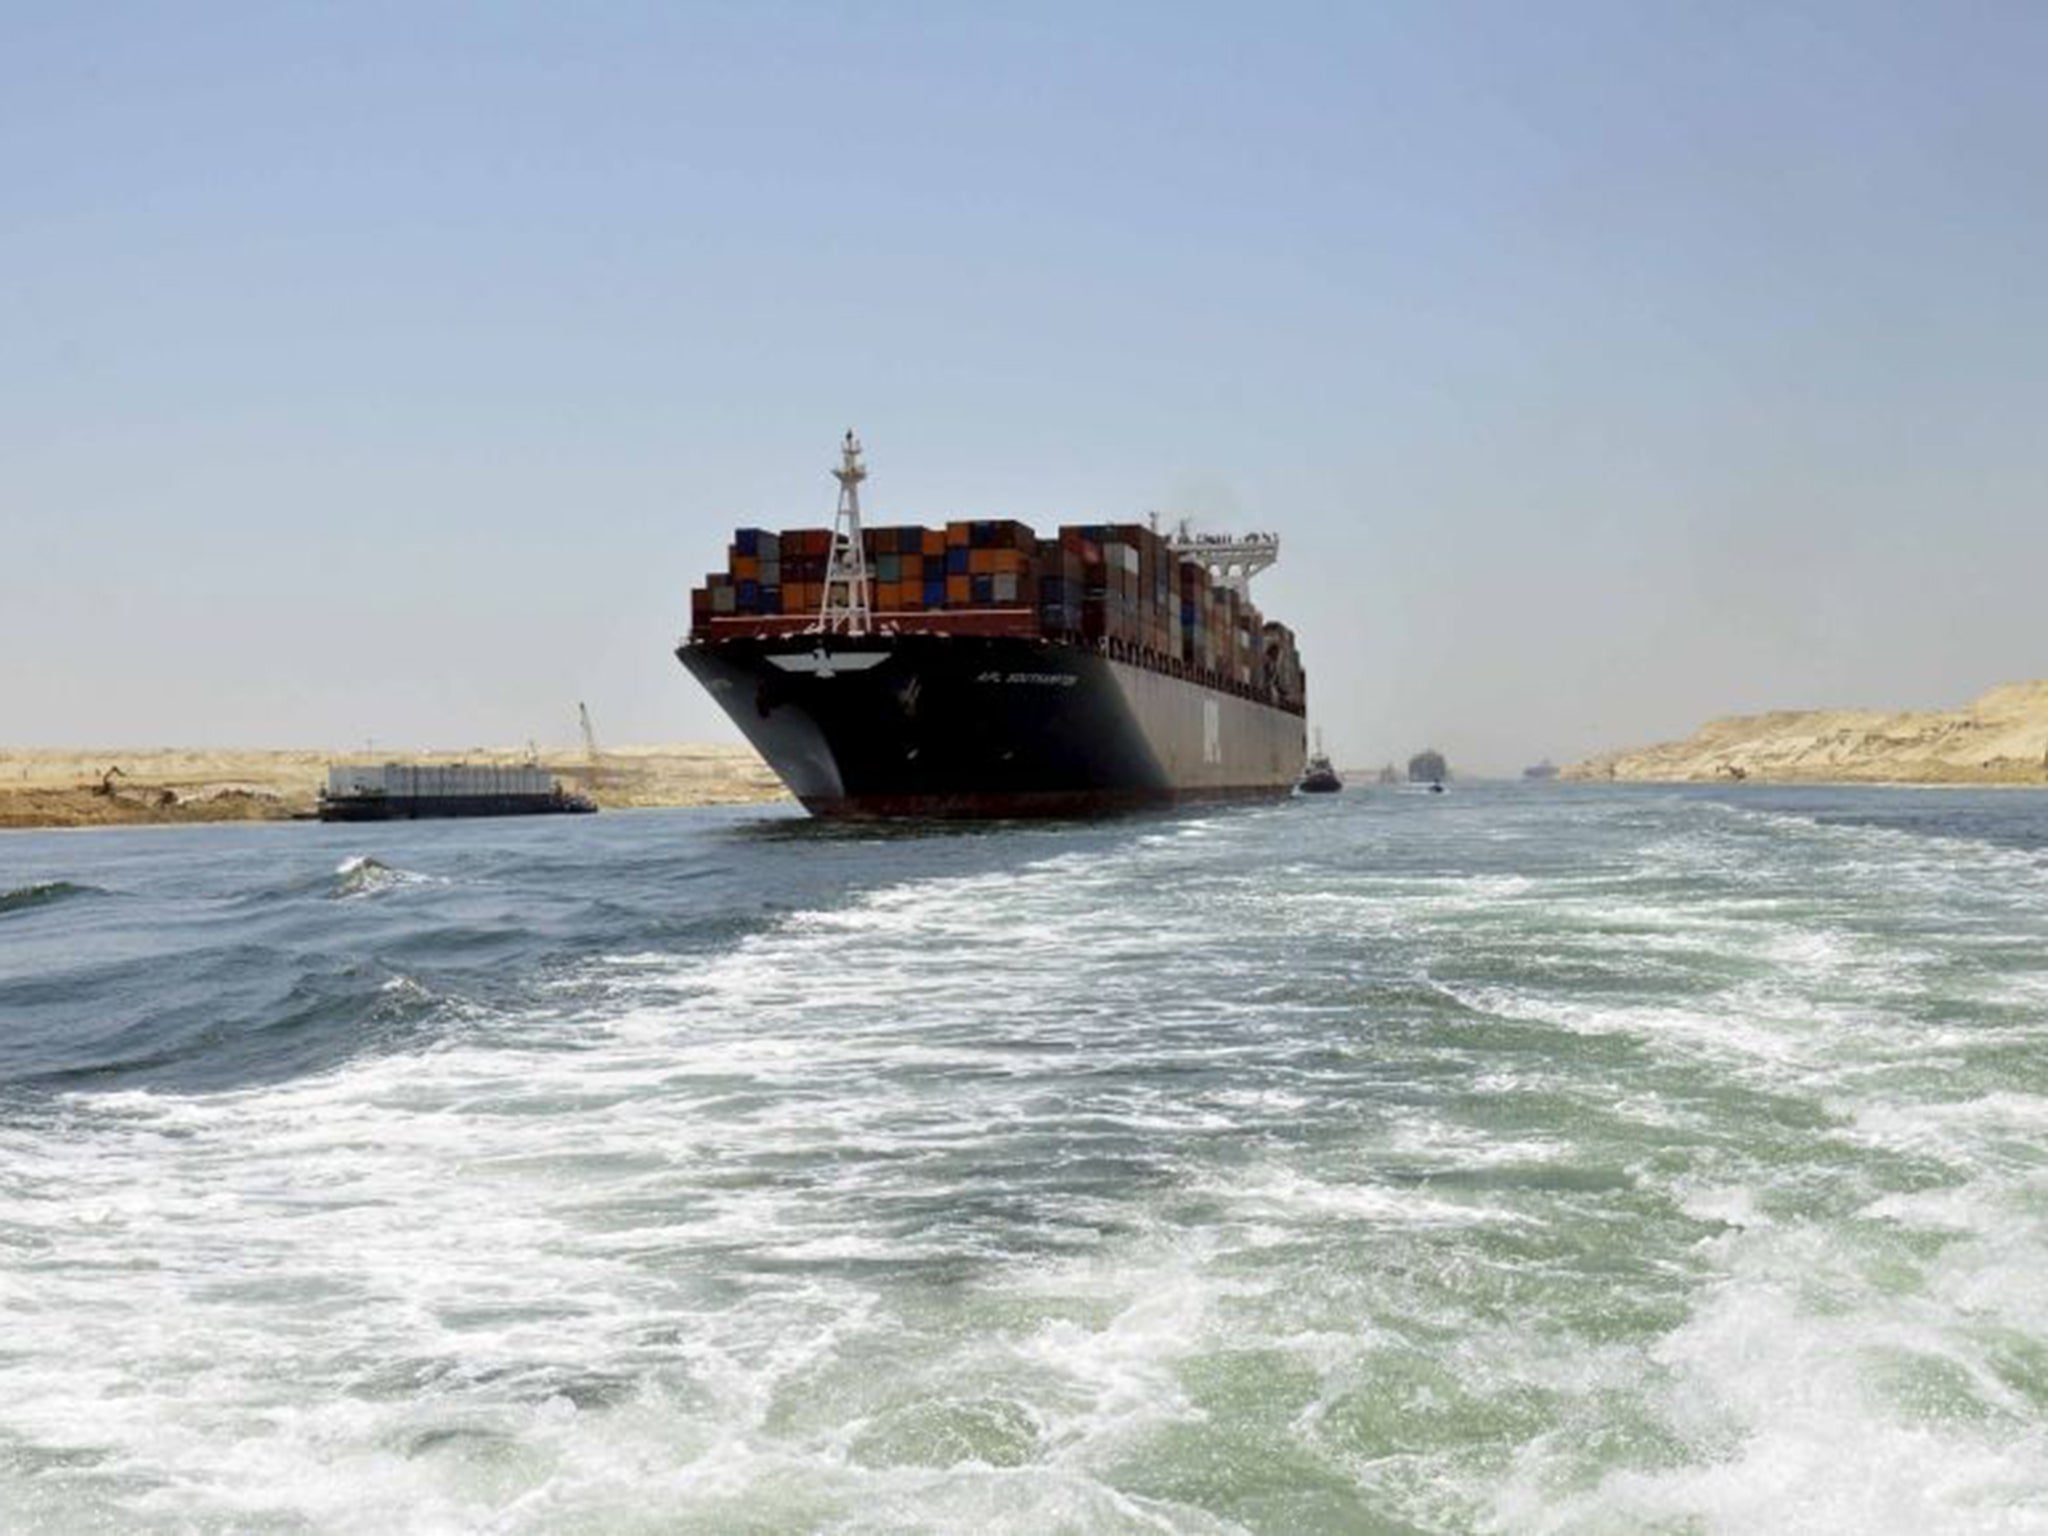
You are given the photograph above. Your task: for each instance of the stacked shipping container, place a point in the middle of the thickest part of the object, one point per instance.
(1119, 586)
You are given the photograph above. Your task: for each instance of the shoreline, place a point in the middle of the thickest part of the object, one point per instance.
(89, 828)
(1999, 738)
(65, 788)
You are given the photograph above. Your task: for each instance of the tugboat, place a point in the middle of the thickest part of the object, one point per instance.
(1319, 778)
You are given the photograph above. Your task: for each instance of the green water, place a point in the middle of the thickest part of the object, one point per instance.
(1516, 1159)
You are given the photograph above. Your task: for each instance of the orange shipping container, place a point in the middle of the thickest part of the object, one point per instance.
(959, 589)
(935, 542)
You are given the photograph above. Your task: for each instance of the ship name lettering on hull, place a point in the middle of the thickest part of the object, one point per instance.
(1042, 679)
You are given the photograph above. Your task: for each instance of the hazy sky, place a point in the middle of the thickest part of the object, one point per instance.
(393, 372)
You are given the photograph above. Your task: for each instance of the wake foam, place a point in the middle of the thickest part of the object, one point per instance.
(1141, 1191)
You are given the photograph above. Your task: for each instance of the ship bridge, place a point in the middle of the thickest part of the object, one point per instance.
(1233, 559)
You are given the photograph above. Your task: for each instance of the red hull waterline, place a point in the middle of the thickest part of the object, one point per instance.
(1046, 805)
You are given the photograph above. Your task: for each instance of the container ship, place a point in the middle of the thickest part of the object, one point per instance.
(978, 670)
(412, 792)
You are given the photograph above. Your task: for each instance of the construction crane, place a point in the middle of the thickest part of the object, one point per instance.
(596, 773)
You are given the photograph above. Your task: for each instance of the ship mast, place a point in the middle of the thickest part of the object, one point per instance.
(846, 576)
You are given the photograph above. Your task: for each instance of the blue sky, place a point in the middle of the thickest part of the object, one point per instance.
(394, 371)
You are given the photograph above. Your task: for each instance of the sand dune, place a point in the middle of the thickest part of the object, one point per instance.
(72, 787)
(2000, 738)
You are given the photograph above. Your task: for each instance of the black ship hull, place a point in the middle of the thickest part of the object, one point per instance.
(934, 725)
(431, 807)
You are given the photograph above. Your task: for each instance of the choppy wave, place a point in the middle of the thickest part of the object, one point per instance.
(44, 893)
(363, 875)
(1556, 1162)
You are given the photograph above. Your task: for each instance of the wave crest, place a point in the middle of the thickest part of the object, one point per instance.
(363, 875)
(44, 893)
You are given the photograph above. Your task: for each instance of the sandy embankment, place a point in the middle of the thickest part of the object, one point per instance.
(62, 787)
(2000, 738)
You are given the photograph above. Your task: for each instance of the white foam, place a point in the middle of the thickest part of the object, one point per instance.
(1789, 1408)
(1725, 1205)
(945, 1208)
(361, 875)
(1293, 1197)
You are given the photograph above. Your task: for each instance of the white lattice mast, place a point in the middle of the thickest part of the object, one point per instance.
(846, 574)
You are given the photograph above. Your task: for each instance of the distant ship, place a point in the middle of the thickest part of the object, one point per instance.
(1543, 770)
(1428, 767)
(1318, 777)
